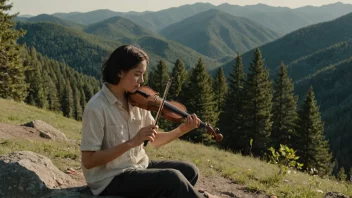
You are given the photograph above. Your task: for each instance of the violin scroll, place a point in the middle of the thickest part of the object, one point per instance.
(214, 132)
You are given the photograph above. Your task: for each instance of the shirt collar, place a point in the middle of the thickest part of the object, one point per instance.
(110, 96)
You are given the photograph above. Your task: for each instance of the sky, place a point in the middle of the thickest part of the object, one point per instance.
(35, 7)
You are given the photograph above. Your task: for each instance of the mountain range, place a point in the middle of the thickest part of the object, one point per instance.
(279, 19)
(218, 34)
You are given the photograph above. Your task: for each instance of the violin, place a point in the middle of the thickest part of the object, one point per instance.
(147, 98)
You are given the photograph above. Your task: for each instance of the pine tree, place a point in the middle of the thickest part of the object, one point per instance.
(158, 80)
(36, 91)
(258, 106)
(179, 78)
(232, 118)
(220, 89)
(145, 77)
(83, 99)
(77, 103)
(201, 101)
(284, 109)
(53, 99)
(159, 77)
(88, 90)
(12, 71)
(310, 143)
(341, 175)
(68, 102)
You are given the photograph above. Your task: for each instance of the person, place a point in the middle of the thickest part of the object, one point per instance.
(114, 162)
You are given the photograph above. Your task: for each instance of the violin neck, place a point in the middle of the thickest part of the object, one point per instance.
(180, 112)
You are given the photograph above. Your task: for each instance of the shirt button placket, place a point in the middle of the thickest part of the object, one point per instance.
(129, 134)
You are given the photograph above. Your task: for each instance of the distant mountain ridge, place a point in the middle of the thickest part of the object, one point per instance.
(116, 28)
(217, 34)
(53, 19)
(279, 19)
(301, 43)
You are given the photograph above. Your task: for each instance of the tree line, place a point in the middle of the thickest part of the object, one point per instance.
(252, 112)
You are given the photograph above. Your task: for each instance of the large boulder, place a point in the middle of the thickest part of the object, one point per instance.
(46, 130)
(28, 174)
(25, 173)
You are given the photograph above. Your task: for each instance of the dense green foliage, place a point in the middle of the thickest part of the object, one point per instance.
(258, 105)
(332, 87)
(56, 86)
(159, 77)
(220, 89)
(83, 52)
(284, 109)
(232, 118)
(309, 140)
(86, 52)
(200, 99)
(12, 84)
(325, 65)
(179, 77)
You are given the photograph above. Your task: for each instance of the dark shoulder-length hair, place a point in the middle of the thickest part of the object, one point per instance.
(124, 58)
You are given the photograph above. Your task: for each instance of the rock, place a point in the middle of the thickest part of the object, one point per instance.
(28, 174)
(335, 195)
(25, 174)
(46, 130)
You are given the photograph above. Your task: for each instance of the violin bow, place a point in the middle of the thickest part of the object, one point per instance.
(168, 85)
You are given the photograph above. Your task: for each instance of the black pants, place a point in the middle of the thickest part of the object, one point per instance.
(169, 179)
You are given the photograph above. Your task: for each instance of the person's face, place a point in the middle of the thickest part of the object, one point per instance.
(133, 79)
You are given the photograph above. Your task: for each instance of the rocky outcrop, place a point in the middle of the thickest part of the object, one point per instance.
(25, 173)
(28, 174)
(46, 130)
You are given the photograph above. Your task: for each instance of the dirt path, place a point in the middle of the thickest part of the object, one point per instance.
(223, 187)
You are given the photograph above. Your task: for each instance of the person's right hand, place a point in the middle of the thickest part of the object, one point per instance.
(145, 133)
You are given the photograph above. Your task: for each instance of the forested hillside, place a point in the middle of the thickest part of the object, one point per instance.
(318, 56)
(86, 52)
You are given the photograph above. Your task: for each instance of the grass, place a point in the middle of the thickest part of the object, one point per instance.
(253, 173)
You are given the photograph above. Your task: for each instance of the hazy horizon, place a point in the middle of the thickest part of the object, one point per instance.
(36, 7)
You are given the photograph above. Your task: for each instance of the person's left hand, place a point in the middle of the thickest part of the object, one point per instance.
(191, 122)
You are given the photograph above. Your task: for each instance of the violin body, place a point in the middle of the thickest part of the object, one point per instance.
(147, 98)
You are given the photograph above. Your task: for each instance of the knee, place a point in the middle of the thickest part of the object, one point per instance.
(175, 176)
(192, 169)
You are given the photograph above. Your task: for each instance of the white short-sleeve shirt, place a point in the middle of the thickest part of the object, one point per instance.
(106, 124)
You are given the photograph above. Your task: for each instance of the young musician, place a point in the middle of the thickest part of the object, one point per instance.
(114, 161)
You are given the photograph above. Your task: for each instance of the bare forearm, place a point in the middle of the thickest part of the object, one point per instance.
(99, 158)
(163, 138)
